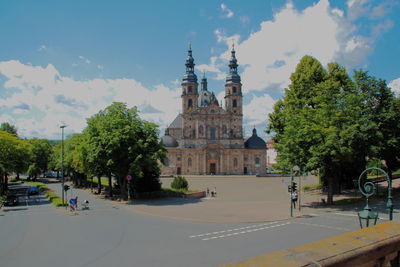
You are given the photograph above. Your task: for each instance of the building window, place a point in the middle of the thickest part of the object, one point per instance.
(201, 130)
(190, 103)
(189, 162)
(190, 89)
(257, 161)
(213, 133)
(234, 89)
(235, 162)
(193, 133)
(223, 129)
(234, 104)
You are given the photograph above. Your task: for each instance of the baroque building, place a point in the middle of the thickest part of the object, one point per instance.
(208, 139)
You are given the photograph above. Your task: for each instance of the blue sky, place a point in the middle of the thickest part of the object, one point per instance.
(63, 61)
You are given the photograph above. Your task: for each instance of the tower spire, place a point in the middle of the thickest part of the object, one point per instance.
(204, 82)
(189, 76)
(233, 75)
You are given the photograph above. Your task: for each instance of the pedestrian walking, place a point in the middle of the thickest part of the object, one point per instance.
(294, 199)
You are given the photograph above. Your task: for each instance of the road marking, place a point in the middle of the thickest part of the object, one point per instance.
(245, 232)
(231, 230)
(323, 226)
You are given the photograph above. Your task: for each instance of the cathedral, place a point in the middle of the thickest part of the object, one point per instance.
(207, 138)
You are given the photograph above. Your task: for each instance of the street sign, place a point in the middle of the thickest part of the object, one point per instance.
(128, 177)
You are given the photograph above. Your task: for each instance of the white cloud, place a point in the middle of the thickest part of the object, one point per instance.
(244, 19)
(268, 56)
(84, 59)
(41, 98)
(395, 85)
(100, 67)
(42, 48)
(227, 12)
(356, 9)
(257, 110)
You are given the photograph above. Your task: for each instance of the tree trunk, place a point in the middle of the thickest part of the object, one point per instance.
(330, 190)
(124, 194)
(99, 185)
(110, 185)
(5, 182)
(1, 185)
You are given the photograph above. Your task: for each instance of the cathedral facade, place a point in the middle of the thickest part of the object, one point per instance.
(208, 139)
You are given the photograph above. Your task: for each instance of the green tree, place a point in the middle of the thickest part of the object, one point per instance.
(5, 126)
(120, 143)
(13, 151)
(381, 111)
(316, 125)
(41, 153)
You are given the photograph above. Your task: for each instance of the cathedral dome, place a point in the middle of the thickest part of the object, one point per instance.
(168, 140)
(254, 142)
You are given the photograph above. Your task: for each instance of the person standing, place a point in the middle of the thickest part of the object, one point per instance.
(294, 198)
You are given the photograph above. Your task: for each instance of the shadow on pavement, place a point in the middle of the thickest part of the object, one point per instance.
(165, 201)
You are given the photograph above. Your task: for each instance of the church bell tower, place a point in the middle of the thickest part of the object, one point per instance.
(233, 87)
(190, 94)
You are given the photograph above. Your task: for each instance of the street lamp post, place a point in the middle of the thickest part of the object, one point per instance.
(367, 189)
(62, 161)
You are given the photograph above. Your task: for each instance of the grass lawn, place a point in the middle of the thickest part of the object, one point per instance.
(311, 187)
(181, 190)
(52, 196)
(104, 181)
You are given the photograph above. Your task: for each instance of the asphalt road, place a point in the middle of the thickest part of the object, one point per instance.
(37, 234)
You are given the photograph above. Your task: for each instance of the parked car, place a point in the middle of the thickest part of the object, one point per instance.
(33, 190)
(50, 174)
(11, 200)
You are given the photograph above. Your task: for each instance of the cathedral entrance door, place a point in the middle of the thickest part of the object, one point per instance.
(213, 168)
(178, 170)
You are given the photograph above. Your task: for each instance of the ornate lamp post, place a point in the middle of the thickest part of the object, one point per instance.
(367, 189)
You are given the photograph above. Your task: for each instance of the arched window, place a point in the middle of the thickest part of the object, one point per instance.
(257, 161)
(235, 162)
(190, 103)
(234, 103)
(234, 89)
(190, 162)
(190, 89)
(201, 130)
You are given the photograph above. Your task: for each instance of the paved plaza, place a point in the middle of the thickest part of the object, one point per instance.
(240, 199)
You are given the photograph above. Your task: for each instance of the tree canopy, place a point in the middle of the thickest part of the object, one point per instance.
(331, 123)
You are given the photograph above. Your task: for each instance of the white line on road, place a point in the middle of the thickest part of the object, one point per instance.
(245, 232)
(231, 230)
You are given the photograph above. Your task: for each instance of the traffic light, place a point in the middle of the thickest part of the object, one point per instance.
(289, 188)
(66, 187)
(294, 186)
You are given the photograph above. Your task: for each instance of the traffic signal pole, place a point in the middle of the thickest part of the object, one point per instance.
(291, 192)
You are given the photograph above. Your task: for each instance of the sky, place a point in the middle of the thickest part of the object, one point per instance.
(63, 61)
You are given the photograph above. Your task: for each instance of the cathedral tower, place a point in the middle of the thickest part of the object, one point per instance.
(190, 94)
(233, 87)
